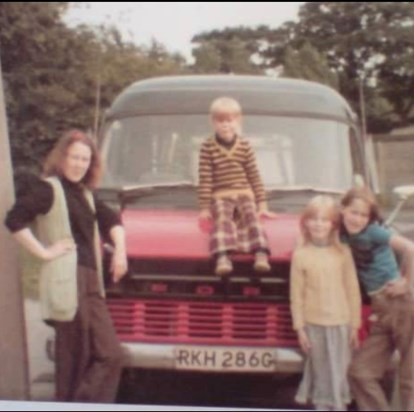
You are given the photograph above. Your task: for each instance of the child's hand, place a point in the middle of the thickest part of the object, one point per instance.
(304, 341)
(267, 214)
(397, 288)
(354, 339)
(205, 214)
(263, 211)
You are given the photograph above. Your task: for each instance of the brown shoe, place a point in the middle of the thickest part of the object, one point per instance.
(261, 262)
(224, 266)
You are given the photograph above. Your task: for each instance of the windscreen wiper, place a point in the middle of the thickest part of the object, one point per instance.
(129, 193)
(278, 192)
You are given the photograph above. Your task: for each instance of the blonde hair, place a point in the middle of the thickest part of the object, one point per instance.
(225, 105)
(315, 205)
(54, 161)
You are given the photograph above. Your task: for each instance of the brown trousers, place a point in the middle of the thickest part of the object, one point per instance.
(88, 353)
(393, 330)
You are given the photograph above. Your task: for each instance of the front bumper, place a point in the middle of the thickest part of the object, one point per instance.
(162, 356)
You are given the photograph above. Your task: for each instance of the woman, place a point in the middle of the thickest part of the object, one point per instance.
(68, 220)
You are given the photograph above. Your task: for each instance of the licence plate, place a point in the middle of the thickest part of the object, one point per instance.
(224, 359)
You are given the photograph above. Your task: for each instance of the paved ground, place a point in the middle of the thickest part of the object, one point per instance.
(41, 369)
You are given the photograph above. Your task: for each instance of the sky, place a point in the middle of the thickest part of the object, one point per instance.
(174, 24)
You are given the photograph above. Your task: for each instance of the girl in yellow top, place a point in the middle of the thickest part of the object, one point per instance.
(326, 306)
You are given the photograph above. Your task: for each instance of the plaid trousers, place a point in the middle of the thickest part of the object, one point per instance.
(236, 227)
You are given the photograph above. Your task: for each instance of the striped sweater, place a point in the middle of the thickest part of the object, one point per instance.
(224, 172)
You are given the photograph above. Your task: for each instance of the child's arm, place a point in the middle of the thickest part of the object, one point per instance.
(297, 286)
(405, 250)
(304, 341)
(353, 294)
(205, 185)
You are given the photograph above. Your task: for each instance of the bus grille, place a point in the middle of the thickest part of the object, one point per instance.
(254, 324)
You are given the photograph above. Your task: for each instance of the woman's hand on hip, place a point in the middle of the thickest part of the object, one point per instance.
(26, 238)
(59, 248)
(119, 265)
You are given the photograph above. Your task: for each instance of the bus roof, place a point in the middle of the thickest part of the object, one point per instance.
(193, 94)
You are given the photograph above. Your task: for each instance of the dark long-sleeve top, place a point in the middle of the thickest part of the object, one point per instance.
(35, 197)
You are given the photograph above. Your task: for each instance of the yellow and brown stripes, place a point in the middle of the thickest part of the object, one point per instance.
(228, 169)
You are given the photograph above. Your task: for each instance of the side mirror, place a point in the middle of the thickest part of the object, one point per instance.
(403, 193)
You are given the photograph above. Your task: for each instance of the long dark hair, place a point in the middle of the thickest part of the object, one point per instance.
(365, 194)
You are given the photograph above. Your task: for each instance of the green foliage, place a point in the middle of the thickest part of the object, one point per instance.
(342, 44)
(307, 63)
(52, 74)
(207, 58)
(371, 41)
(224, 52)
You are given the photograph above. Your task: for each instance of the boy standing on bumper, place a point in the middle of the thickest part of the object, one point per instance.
(231, 192)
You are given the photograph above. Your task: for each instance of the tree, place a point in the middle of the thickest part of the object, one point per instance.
(207, 58)
(368, 41)
(121, 63)
(307, 63)
(53, 73)
(29, 34)
(224, 52)
(359, 42)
